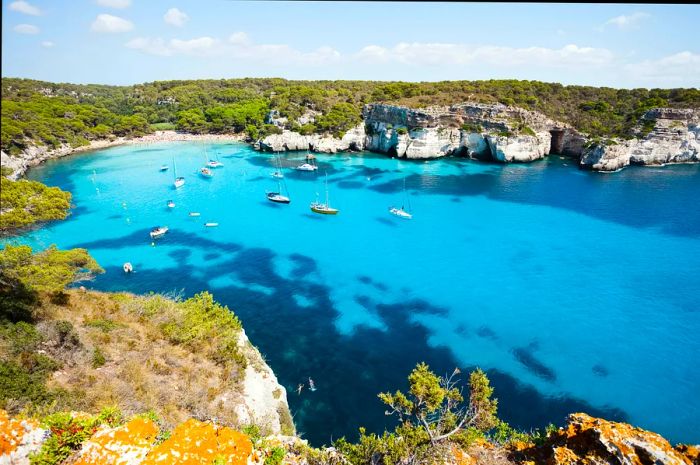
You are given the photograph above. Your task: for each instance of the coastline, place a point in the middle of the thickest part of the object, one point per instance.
(36, 155)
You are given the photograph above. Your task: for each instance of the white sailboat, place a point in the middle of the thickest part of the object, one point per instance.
(179, 181)
(278, 172)
(214, 163)
(279, 197)
(400, 212)
(324, 208)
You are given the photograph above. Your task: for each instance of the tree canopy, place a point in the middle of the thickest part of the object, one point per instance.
(23, 203)
(44, 113)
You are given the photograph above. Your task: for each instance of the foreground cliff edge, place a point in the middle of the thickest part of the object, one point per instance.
(140, 441)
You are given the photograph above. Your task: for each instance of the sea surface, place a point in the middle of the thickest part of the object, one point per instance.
(575, 291)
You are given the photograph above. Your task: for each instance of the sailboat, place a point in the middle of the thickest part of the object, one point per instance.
(400, 212)
(204, 171)
(278, 172)
(278, 197)
(324, 208)
(179, 181)
(214, 163)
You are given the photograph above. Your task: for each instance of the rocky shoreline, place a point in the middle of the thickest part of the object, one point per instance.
(486, 132)
(504, 134)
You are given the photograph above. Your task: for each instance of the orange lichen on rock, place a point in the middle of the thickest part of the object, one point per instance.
(194, 442)
(18, 437)
(588, 440)
(461, 457)
(125, 445)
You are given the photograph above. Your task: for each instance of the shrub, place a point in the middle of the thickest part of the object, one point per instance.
(98, 358)
(28, 202)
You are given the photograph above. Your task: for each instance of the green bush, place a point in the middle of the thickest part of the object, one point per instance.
(98, 358)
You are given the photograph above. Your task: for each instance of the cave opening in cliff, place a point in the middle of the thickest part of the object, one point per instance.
(557, 143)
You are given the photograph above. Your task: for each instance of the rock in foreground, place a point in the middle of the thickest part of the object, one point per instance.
(594, 441)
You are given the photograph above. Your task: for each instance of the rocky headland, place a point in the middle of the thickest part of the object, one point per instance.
(501, 133)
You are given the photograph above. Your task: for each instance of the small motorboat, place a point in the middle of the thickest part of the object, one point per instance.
(171, 204)
(158, 232)
(211, 225)
(307, 167)
(195, 214)
(277, 197)
(214, 164)
(400, 212)
(164, 167)
(206, 172)
(128, 267)
(277, 174)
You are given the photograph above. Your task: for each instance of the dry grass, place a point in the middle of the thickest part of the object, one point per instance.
(143, 369)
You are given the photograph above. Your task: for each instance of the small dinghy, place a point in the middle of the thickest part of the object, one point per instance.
(164, 167)
(211, 225)
(158, 232)
(171, 204)
(128, 268)
(195, 214)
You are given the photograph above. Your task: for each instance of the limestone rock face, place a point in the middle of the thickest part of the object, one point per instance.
(474, 145)
(265, 399)
(432, 142)
(594, 441)
(674, 139)
(522, 148)
(470, 129)
(354, 139)
(18, 439)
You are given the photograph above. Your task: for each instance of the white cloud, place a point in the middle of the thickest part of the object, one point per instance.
(628, 21)
(239, 38)
(25, 7)
(111, 24)
(442, 54)
(47, 44)
(238, 46)
(26, 29)
(114, 3)
(175, 17)
(680, 69)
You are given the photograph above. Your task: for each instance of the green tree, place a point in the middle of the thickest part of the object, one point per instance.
(436, 403)
(24, 203)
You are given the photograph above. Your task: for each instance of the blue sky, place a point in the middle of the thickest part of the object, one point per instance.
(132, 41)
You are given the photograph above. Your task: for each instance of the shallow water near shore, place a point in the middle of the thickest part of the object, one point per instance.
(576, 291)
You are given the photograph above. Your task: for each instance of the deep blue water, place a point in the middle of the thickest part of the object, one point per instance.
(576, 291)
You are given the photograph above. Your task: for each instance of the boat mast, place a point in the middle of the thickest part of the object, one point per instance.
(328, 202)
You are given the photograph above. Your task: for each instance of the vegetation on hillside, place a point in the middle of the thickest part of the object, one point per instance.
(23, 203)
(35, 112)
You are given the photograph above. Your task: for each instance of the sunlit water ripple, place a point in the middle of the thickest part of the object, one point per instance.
(575, 290)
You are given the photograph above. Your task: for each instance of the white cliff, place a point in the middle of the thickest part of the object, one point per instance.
(519, 148)
(675, 138)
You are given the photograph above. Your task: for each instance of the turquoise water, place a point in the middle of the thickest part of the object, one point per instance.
(577, 291)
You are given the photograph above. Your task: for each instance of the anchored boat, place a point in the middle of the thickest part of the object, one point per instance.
(158, 232)
(179, 180)
(324, 208)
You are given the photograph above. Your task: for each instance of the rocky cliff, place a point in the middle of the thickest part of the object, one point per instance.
(674, 138)
(480, 131)
(506, 134)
